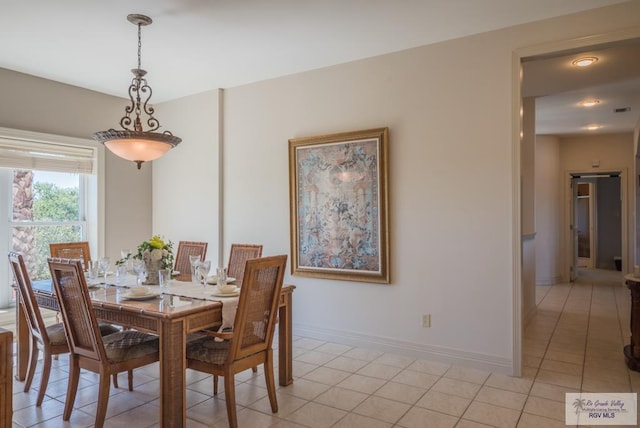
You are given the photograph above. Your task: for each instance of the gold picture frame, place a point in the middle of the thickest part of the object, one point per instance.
(339, 206)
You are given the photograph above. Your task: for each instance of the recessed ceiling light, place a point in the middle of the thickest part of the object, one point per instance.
(585, 61)
(593, 127)
(589, 103)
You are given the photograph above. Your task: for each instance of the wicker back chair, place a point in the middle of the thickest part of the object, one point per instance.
(186, 249)
(72, 250)
(111, 354)
(238, 257)
(48, 339)
(249, 344)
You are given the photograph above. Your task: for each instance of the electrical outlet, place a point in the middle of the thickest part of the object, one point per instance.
(426, 320)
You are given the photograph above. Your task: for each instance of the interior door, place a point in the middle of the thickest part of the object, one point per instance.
(584, 211)
(573, 269)
(596, 222)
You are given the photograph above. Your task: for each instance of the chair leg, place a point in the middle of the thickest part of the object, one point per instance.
(103, 399)
(230, 398)
(72, 387)
(254, 369)
(271, 386)
(44, 381)
(215, 385)
(33, 360)
(130, 378)
(115, 380)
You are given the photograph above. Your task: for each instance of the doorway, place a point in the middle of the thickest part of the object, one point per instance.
(596, 222)
(584, 223)
(524, 290)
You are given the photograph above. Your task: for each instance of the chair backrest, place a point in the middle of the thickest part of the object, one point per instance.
(238, 257)
(28, 300)
(257, 306)
(80, 324)
(186, 249)
(72, 250)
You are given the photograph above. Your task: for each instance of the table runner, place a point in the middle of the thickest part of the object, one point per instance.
(177, 288)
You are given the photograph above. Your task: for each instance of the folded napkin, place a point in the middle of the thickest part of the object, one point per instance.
(229, 307)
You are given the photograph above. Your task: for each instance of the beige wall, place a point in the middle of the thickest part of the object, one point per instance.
(33, 104)
(451, 244)
(528, 165)
(186, 186)
(549, 210)
(528, 225)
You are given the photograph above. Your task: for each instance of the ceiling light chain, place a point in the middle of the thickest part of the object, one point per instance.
(139, 84)
(140, 44)
(133, 143)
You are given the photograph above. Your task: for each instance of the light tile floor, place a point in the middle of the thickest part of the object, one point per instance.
(574, 343)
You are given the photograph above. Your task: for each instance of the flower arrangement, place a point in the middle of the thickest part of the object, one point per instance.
(156, 249)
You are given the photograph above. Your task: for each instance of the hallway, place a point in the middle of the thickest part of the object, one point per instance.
(574, 342)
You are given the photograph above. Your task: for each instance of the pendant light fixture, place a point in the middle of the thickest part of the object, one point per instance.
(133, 142)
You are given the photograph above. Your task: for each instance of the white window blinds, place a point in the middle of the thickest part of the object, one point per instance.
(29, 150)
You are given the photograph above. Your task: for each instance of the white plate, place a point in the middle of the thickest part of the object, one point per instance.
(214, 280)
(232, 294)
(129, 296)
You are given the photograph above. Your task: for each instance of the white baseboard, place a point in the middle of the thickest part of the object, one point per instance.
(442, 354)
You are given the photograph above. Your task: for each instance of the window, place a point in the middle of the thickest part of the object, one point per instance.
(46, 207)
(51, 187)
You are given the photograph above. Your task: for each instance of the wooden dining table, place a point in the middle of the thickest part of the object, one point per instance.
(171, 318)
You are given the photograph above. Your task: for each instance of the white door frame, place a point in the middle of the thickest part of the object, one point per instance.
(516, 135)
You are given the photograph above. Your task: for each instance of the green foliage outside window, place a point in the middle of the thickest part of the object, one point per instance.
(52, 203)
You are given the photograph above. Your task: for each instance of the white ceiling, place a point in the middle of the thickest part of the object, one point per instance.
(559, 86)
(199, 45)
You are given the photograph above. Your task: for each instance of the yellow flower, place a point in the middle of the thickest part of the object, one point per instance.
(156, 242)
(156, 249)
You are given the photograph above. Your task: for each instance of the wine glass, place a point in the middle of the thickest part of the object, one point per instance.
(194, 264)
(221, 274)
(138, 268)
(121, 274)
(104, 263)
(203, 271)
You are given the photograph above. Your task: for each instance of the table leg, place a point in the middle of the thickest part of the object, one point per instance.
(173, 401)
(22, 341)
(285, 341)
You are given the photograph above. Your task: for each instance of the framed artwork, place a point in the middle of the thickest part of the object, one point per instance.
(339, 206)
